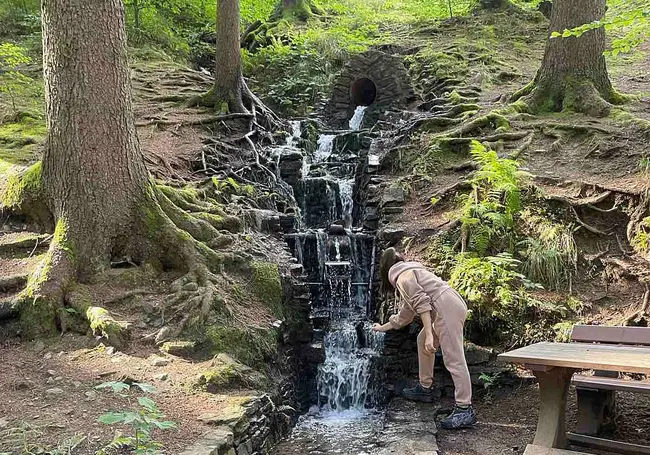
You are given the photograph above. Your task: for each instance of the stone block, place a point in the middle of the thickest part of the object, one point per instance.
(476, 355)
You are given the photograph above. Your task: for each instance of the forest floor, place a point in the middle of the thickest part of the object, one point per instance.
(48, 387)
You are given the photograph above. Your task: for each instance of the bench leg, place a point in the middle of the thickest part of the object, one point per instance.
(593, 405)
(553, 389)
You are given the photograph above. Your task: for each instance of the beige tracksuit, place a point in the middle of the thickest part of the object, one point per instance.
(420, 291)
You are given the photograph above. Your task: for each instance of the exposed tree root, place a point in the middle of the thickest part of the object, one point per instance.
(571, 96)
(587, 226)
(12, 282)
(206, 120)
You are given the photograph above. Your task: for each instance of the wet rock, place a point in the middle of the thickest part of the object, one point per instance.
(245, 448)
(179, 348)
(159, 361)
(336, 229)
(215, 442)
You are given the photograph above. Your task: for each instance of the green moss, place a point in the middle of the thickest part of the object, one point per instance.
(252, 346)
(626, 118)
(104, 325)
(23, 184)
(267, 286)
(225, 372)
(20, 143)
(221, 222)
(179, 348)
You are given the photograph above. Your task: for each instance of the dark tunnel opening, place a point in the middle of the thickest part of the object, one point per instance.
(363, 92)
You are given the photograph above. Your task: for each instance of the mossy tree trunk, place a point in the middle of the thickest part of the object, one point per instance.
(295, 9)
(573, 74)
(227, 93)
(94, 181)
(94, 175)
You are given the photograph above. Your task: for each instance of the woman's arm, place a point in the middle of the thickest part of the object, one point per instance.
(428, 332)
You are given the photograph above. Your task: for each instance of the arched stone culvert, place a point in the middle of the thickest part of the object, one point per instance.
(374, 79)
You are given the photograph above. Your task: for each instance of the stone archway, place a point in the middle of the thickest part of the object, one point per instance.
(374, 79)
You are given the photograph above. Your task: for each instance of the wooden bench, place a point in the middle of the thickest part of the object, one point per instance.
(596, 394)
(538, 450)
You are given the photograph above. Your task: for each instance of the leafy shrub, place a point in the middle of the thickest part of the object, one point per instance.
(296, 70)
(495, 290)
(142, 422)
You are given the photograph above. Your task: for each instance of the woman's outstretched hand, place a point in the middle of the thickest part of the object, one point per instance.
(379, 328)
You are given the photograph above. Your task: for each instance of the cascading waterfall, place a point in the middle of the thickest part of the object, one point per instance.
(357, 118)
(295, 133)
(338, 265)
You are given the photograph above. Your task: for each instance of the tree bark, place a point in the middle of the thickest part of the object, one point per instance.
(229, 79)
(573, 74)
(94, 175)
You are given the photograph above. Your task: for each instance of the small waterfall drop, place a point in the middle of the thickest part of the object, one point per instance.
(295, 133)
(357, 118)
(344, 377)
(325, 147)
(345, 194)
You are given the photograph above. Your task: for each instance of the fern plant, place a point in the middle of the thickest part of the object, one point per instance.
(142, 422)
(489, 211)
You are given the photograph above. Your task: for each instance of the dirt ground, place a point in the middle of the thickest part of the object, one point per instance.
(49, 392)
(508, 419)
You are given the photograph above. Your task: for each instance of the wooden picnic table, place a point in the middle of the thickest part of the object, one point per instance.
(554, 364)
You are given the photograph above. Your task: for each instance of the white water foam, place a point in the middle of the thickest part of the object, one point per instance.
(295, 133)
(357, 118)
(325, 147)
(345, 193)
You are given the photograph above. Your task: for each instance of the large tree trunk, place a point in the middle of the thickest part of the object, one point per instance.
(93, 171)
(298, 9)
(573, 75)
(229, 80)
(94, 181)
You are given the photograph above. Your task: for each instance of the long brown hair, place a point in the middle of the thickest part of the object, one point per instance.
(389, 258)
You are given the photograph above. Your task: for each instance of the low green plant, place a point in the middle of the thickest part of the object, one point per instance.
(550, 252)
(644, 165)
(641, 240)
(143, 422)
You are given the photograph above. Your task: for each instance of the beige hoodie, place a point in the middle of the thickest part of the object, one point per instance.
(418, 287)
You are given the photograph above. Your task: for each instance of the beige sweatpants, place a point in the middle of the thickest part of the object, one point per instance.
(451, 312)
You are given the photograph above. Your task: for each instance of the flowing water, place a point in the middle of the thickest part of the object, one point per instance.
(357, 118)
(339, 268)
